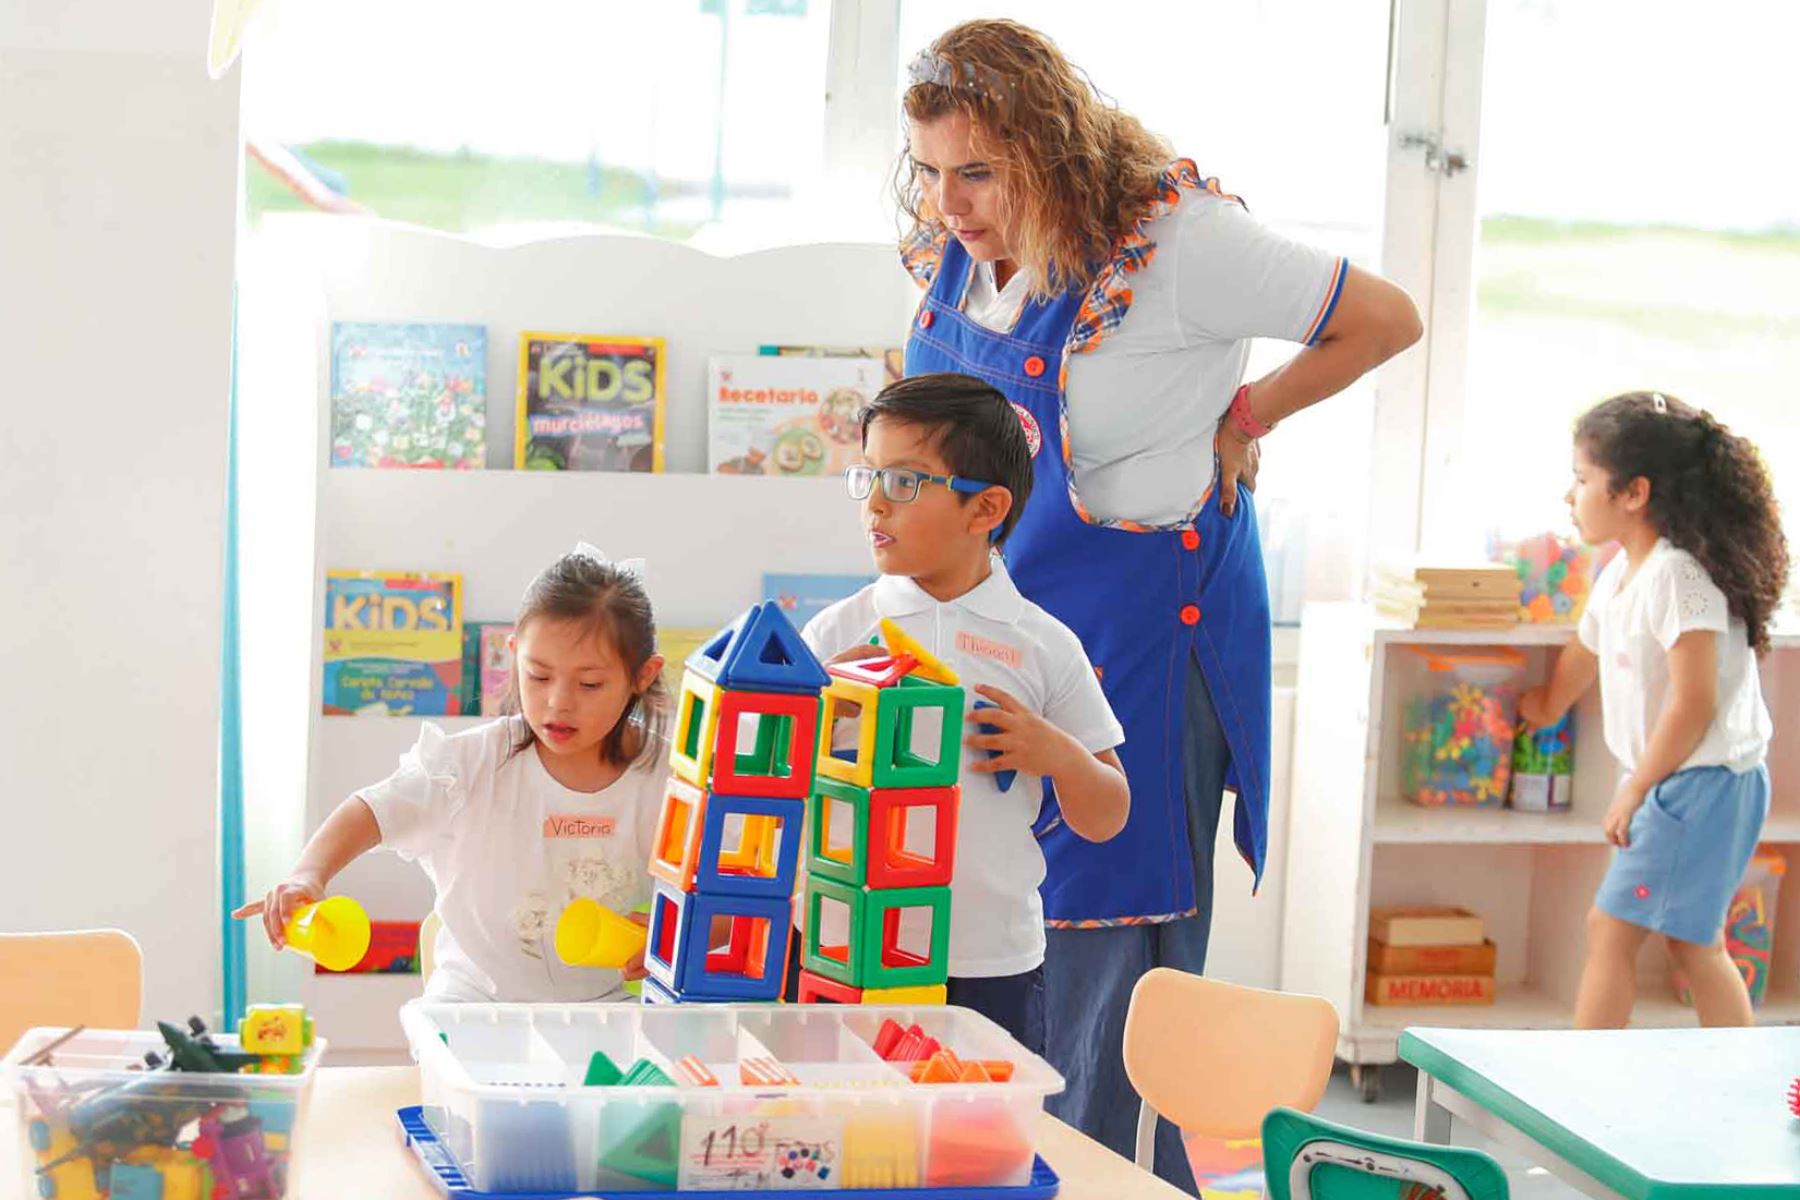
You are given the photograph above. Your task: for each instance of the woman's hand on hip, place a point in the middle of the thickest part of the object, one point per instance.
(1239, 457)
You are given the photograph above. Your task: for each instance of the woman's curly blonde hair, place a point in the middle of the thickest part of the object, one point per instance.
(1074, 171)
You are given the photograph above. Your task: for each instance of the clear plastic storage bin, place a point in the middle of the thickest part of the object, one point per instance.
(1458, 746)
(95, 1122)
(801, 1097)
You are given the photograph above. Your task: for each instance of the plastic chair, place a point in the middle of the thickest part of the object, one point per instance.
(1305, 1158)
(86, 977)
(1215, 1057)
(428, 931)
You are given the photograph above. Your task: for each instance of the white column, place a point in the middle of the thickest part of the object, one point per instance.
(118, 202)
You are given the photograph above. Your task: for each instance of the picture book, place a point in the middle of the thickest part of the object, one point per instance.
(487, 666)
(792, 416)
(893, 358)
(393, 950)
(589, 402)
(496, 668)
(393, 644)
(803, 597)
(408, 395)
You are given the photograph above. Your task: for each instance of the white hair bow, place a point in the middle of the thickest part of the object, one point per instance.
(634, 567)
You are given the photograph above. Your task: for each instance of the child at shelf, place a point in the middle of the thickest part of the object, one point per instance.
(515, 818)
(945, 472)
(1672, 630)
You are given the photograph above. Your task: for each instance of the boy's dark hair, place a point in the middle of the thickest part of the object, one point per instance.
(972, 424)
(1709, 495)
(607, 602)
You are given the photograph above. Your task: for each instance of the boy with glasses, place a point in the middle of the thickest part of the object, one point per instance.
(947, 468)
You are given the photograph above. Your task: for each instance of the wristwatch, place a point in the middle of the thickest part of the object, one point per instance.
(1243, 418)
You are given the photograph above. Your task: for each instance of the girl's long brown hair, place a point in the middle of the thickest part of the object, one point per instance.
(1710, 495)
(1075, 172)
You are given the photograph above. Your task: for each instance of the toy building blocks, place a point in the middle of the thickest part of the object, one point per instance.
(726, 851)
(882, 822)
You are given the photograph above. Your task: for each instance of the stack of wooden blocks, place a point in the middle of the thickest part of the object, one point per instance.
(1481, 596)
(1429, 955)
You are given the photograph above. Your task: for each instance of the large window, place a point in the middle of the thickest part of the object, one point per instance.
(1638, 229)
(465, 115)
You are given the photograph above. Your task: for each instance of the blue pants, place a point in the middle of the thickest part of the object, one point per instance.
(1089, 973)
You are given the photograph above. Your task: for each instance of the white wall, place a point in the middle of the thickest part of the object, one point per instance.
(118, 186)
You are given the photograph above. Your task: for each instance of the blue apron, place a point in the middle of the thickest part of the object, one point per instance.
(1142, 603)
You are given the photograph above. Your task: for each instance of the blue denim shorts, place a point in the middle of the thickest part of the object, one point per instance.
(1691, 842)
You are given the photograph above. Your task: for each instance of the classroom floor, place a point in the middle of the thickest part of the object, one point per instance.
(1232, 1172)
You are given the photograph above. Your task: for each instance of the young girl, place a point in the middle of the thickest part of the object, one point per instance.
(1672, 630)
(514, 819)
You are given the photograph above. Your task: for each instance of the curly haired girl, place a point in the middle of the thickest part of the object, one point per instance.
(1672, 631)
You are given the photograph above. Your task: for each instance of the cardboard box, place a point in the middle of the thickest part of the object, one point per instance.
(1431, 960)
(1429, 989)
(1426, 925)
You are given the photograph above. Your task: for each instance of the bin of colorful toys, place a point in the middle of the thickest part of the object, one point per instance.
(1544, 767)
(630, 1098)
(1749, 926)
(1556, 574)
(182, 1114)
(1458, 737)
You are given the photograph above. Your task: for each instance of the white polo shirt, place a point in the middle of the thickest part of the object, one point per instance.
(992, 636)
(1143, 404)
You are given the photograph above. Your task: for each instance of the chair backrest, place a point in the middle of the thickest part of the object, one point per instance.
(1305, 1158)
(1215, 1057)
(428, 931)
(88, 977)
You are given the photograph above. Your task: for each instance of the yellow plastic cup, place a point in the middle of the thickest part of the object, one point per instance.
(333, 932)
(590, 935)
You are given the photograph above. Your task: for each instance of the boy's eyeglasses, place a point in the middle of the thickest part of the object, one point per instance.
(901, 485)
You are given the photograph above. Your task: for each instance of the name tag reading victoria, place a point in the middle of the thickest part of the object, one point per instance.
(746, 1152)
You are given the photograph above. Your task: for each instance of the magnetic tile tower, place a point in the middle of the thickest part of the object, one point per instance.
(881, 840)
(728, 839)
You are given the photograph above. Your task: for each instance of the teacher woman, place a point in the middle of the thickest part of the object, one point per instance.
(1111, 291)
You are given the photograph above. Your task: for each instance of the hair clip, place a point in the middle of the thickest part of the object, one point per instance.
(1658, 403)
(982, 82)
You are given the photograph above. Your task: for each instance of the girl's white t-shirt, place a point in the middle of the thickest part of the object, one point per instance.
(1631, 629)
(508, 847)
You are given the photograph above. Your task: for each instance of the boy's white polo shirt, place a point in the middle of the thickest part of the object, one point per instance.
(991, 636)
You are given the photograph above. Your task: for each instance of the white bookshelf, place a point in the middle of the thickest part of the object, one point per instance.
(708, 539)
(1354, 842)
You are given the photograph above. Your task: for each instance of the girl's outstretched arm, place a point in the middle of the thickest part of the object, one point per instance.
(348, 833)
(1575, 672)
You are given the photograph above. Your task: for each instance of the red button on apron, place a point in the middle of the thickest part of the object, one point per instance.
(1190, 614)
(1190, 540)
(1034, 366)
(925, 319)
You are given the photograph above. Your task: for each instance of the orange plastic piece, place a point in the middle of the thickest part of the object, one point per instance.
(942, 1067)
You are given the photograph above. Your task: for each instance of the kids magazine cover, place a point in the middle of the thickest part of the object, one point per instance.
(393, 644)
(589, 402)
(787, 415)
(408, 395)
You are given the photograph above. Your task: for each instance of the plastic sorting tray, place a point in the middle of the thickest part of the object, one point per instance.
(505, 1096)
(450, 1180)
